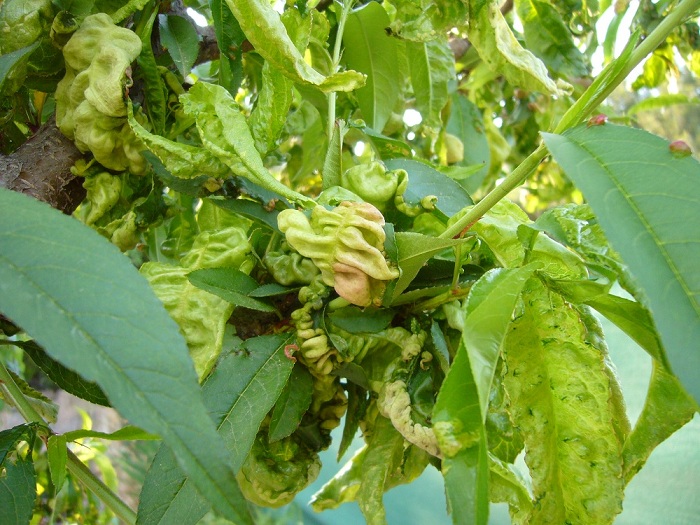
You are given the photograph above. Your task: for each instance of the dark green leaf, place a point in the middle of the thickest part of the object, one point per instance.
(370, 50)
(357, 407)
(466, 123)
(58, 455)
(271, 290)
(387, 147)
(153, 83)
(356, 320)
(251, 210)
(64, 377)
(231, 285)
(10, 437)
(645, 199)
(11, 60)
(414, 250)
(103, 321)
(230, 38)
(17, 492)
(180, 38)
(425, 180)
(293, 402)
(238, 395)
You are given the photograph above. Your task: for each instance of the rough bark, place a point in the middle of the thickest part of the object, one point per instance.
(41, 168)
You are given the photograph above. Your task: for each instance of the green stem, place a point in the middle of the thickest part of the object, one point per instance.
(83, 474)
(12, 393)
(586, 104)
(347, 7)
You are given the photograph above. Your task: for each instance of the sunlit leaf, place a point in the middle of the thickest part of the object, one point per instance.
(180, 38)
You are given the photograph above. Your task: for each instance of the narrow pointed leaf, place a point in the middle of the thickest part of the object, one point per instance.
(466, 123)
(58, 456)
(293, 402)
(231, 285)
(647, 201)
(153, 83)
(238, 395)
(432, 66)
(230, 37)
(370, 50)
(103, 321)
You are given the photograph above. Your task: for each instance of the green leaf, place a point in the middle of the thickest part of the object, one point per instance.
(488, 312)
(47, 409)
(230, 284)
(333, 164)
(153, 83)
(645, 198)
(252, 210)
(264, 29)
(490, 34)
(459, 429)
(293, 402)
(17, 492)
(10, 437)
(270, 112)
(548, 37)
(64, 377)
(507, 485)
(138, 357)
(432, 66)
(560, 394)
(356, 320)
(238, 395)
(225, 133)
(125, 9)
(127, 433)
(230, 37)
(370, 50)
(466, 123)
(425, 180)
(667, 408)
(180, 38)
(414, 250)
(661, 102)
(58, 456)
(343, 487)
(387, 147)
(357, 408)
(9, 61)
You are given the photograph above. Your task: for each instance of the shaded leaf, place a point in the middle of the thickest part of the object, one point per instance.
(466, 123)
(293, 402)
(238, 395)
(10, 61)
(230, 37)
(17, 491)
(11, 436)
(432, 66)
(138, 358)
(356, 320)
(154, 89)
(645, 198)
(180, 38)
(230, 284)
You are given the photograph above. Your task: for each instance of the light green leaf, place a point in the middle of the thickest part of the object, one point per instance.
(560, 394)
(293, 402)
(662, 101)
(490, 34)
(270, 112)
(225, 133)
(58, 456)
(370, 50)
(333, 164)
(128, 8)
(432, 66)
(103, 321)
(238, 395)
(180, 38)
(17, 491)
(47, 409)
(416, 249)
(459, 429)
(488, 313)
(506, 485)
(466, 123)
(343, 487)
(127, 433)
(646, 201)
(548, 37)
(384, 455)
(667, 408)
(264, 29)
(230, 284)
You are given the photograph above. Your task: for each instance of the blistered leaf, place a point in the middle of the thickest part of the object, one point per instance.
(645, 198)
(264, 29)
(506, 485)
(370, 50)
(560, 399)
(490, 34)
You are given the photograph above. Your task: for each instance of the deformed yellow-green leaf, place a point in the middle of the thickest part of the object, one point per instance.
(560, 393)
